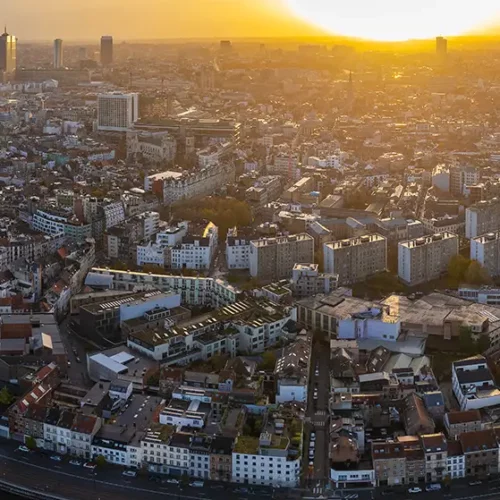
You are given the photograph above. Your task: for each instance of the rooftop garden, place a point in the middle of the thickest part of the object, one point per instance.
(247, 445)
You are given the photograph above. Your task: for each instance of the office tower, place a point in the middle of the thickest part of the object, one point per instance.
(58, 53)
(117, 112)
(425, 259)
(482, 218)
(8, 52)
(355, 259)
(106, 50)
(486, 250)
(275, 258)
(441, 46)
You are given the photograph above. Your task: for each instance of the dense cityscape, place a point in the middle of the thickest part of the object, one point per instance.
(249, 268)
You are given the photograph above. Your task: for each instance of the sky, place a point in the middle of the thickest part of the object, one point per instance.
(158, 19)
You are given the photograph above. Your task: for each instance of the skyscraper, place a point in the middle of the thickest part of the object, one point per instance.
(117, 112)
(441, 46)
(58, 53)
(106, 50)
(8, 51)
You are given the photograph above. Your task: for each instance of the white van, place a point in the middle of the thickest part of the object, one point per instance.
(197, 484)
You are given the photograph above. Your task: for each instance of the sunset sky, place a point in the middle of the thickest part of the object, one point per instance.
(155, 19)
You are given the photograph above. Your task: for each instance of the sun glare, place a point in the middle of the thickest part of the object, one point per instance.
(395, 20)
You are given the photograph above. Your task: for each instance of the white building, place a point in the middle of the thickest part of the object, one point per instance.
(118, 452)
(117, 112)
(425, 259)
(158, 253)
(482, 218)
(260, 461)
(441, 178)
(354, 477)
(486, 295)
(307, 280)
(455, 461)
(150, 224)
(185, 413)
(114, 214)
(473, 384)
(57, 224)
(486, 250)
(355, 259)
(374, 323)
(196, 252)
(292, 372)
(237, 251)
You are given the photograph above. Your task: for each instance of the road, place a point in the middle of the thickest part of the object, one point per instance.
(77, 370)
(317, 418)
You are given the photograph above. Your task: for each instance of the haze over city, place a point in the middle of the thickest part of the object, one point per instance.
(160, 19)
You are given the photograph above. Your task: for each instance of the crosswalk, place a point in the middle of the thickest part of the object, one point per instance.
(320, 413)
(318, 490)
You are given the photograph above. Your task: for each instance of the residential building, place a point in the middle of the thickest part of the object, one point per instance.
(221, 459)
(482, 218)
(117, 112)
(196, 252)
(473, 384)
(83, 430)
(355, 259)
(307, 280)
(416, 418)
(436, 456)
(485, 249)
(480, 449)
(238, 249)
(463, 176)
(455, 461)
(481, 295)
(292, 372)
(458, 422)
(441, 177)
(425, 259)
(275, 258)
(57, 224)
(389, 463)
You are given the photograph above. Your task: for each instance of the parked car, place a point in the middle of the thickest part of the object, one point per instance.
(75, 462)
(433, 487)
(475, 483)
(89, 465)
(57, 458)
(313, 436)
(78, 360)
(415, 489)
(315, 394)
(23, 448)
(172, 481)
(129, 473)
(197, 484)
(311, 464)
(312, 444)
(311, 454)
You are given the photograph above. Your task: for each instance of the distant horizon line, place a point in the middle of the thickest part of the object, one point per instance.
(318, 38)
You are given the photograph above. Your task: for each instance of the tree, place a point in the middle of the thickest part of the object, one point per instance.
(476, 274)
(483, 344)
(268, 361)
(100, 461)
(6, 397)
(457, 267)
(467, 344)
(30, 442)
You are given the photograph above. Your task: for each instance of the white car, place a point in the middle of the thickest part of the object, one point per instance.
(313, 436)
(416, 489)
(172, 481)
(312, 444)
(129, 473)
(311, 454)
(89, 465)
(75, 462)
(311, 464)
(316, 372)
(57, 458)
(197, 484)
(23, 448)
(315, 394)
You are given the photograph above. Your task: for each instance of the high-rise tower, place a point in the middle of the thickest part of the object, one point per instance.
(106, 50)
(58, 53)
(8, 52)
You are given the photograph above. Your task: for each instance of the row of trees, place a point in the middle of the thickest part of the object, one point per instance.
(464, 270)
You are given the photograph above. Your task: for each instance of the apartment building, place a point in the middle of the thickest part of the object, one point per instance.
(389, 463)
(307, 280)
(456, 460)
(486, 250)
(158, 253)
(117, 112)
(56, 224)
(482, 218)
(424, 259)
(221, 458)
(458, 422)
(197, 184)
(436, 455)
(473, 384)
(196, 252)
(275, 258)
(238, 249)
(193, 290)
(355, 259)
(480, 449)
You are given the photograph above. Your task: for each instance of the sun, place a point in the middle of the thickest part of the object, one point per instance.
(395, 20)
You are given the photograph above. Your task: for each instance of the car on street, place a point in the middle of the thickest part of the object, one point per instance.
(129, 473)
(241, 490)
(69, 364)
(475, 483)
(23, 448)
(313, 436)
(415, 489)
(311, 454)
(172, 481)
(89, 465)
(315, 394)
(197, 484)
(75, 462)
(311, 464)
(433, 487)
(312, 444)
(57, 458)
(78, 360)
